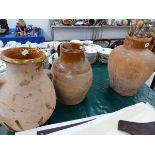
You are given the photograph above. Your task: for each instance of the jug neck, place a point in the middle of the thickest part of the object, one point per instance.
(71, 53)
(137, 43)
(16, 69)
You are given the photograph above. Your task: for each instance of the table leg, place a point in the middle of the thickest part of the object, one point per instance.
(52, 33)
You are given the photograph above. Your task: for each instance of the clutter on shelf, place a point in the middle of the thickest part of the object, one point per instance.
(101, 22)
(22, 29)
(79, 22)
(4, 28)
(92, 51)
(94, 22)
(55, 22)
(52, 45)
(89, 22)
(142, 28)
(84, 42)
(68, 21)
(103, 55)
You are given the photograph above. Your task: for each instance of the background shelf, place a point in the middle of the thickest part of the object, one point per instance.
(88, 32)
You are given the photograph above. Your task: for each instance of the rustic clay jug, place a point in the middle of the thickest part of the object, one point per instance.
(72, 74)
(130, 65)
(27, 96)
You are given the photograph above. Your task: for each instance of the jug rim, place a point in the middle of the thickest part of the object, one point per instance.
(138, 43)
(145, 39)
(22, 55)
(71, 52)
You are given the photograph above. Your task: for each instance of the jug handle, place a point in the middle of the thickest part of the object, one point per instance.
(58, 50)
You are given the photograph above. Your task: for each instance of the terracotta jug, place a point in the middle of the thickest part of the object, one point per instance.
(72, 74)
(130, 65)
(27, 96)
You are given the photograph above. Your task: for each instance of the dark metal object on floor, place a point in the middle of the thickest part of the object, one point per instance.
(103, 42)
(109, 43)
(48, 131)
(135, 128)
(116, 43)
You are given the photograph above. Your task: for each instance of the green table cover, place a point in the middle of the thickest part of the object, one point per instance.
(100, 99)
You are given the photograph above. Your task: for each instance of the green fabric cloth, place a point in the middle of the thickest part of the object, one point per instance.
(100, 99)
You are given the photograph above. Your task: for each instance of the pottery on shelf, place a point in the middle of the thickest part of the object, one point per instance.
(27, 96)
(68, 22)
(87, 42)
(76, 41)
(84, 42)
(72, 74)
(103, 55)
(130, 65)
(91, 53)
(91, 56)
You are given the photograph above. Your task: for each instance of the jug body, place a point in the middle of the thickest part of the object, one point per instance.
(72, 74)
(27, 95)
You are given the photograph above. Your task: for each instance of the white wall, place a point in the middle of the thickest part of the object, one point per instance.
(42, 23)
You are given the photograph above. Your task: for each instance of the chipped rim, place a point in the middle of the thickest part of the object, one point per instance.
(39, 56)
